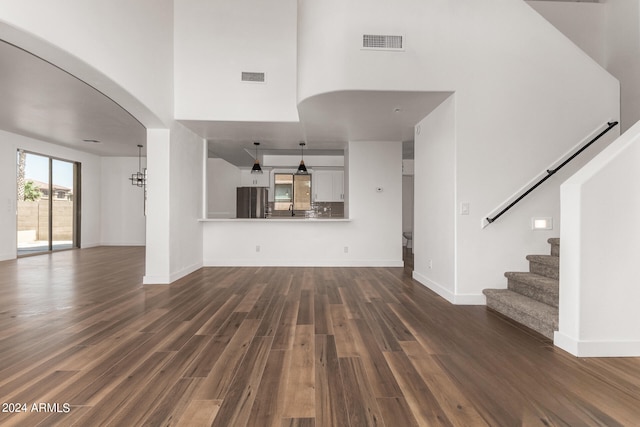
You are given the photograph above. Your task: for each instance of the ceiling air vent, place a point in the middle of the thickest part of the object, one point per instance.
(380, 42)
(252, 77)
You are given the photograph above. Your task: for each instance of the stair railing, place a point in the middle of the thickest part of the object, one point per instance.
(551, 172)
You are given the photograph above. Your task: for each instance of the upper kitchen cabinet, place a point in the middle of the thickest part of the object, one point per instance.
(328, 186)
(248, 179)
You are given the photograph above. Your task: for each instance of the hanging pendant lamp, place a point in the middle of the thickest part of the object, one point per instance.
(256, 165)
(138, 179)
(302, 169)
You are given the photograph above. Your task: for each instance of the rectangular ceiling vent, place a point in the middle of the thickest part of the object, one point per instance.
(252, 77)
(380, 42)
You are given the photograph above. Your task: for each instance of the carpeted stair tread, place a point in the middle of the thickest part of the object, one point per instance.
(550, 260)
(536, 315)
(553, 240)
(540, 288)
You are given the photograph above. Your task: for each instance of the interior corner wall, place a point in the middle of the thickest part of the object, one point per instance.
(123, 218)
(91, 189)
(623, 55)
(215, 41)
(222, 180)
(583, 23)
(434, 200)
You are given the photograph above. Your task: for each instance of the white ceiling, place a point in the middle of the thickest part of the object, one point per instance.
(44, 102)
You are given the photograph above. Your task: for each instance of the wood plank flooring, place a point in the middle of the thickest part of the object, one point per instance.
(278, 347)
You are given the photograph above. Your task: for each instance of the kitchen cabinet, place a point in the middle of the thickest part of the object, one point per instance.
(328, 186)
(248, 179)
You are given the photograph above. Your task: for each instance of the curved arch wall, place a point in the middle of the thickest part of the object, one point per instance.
(124, 49)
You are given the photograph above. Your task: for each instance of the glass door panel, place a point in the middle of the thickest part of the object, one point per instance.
(33, 203)
(47, 206)
(62, 212)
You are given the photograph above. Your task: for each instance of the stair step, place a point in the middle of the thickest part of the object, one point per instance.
(535, 286)
(544, 265)
(536, 315)
(555, 246)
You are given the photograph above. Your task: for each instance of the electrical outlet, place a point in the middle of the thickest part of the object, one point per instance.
(346, 249)
(257, 248)
(430, 263)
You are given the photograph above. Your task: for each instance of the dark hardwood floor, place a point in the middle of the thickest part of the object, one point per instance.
(278, 347)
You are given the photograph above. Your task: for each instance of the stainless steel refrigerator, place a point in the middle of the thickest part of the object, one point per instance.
(251, 202)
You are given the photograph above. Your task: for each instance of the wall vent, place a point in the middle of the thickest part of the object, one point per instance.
(252, 77)
(381, 42)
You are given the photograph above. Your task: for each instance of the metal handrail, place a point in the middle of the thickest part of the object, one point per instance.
(550, 172)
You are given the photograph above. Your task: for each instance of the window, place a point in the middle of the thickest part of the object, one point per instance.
(292, 192)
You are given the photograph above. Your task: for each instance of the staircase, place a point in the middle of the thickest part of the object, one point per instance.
(531, 298)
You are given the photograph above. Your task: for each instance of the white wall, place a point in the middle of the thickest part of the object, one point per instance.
(123, 219)
(91, 189)
(222, 180)
(175, 198)
(583, 23)
(599, 254)
(525, 94)
(217, 40)
(373, 235)
(187, 172)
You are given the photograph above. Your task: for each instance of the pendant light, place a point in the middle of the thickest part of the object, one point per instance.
(138, 179)
(256, 165)
(302, 169)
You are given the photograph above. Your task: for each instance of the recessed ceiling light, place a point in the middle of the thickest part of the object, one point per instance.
(397, 109)
(93, 141)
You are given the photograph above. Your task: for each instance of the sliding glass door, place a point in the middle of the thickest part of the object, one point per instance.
(48, 195)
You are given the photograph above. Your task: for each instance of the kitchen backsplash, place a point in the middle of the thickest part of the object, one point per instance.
(318, 210)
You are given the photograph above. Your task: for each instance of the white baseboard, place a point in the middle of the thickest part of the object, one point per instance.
(185, 271)
(122, 244)
(8, 256)
(89, 245)
(453, 298)
(167, 280)
(244, 262)
(581, 348)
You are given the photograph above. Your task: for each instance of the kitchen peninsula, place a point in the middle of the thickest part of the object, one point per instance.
(363, 227)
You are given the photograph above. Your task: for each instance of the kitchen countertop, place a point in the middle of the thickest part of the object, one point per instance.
(276, 219)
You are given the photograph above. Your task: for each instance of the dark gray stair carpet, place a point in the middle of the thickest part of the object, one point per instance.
(531, 298)
(545, 265)
(536, 315)
(535, 286)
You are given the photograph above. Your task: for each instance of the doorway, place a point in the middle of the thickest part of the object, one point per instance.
(48, 200)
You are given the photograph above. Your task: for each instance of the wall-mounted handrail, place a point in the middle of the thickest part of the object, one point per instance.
(550, 172)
